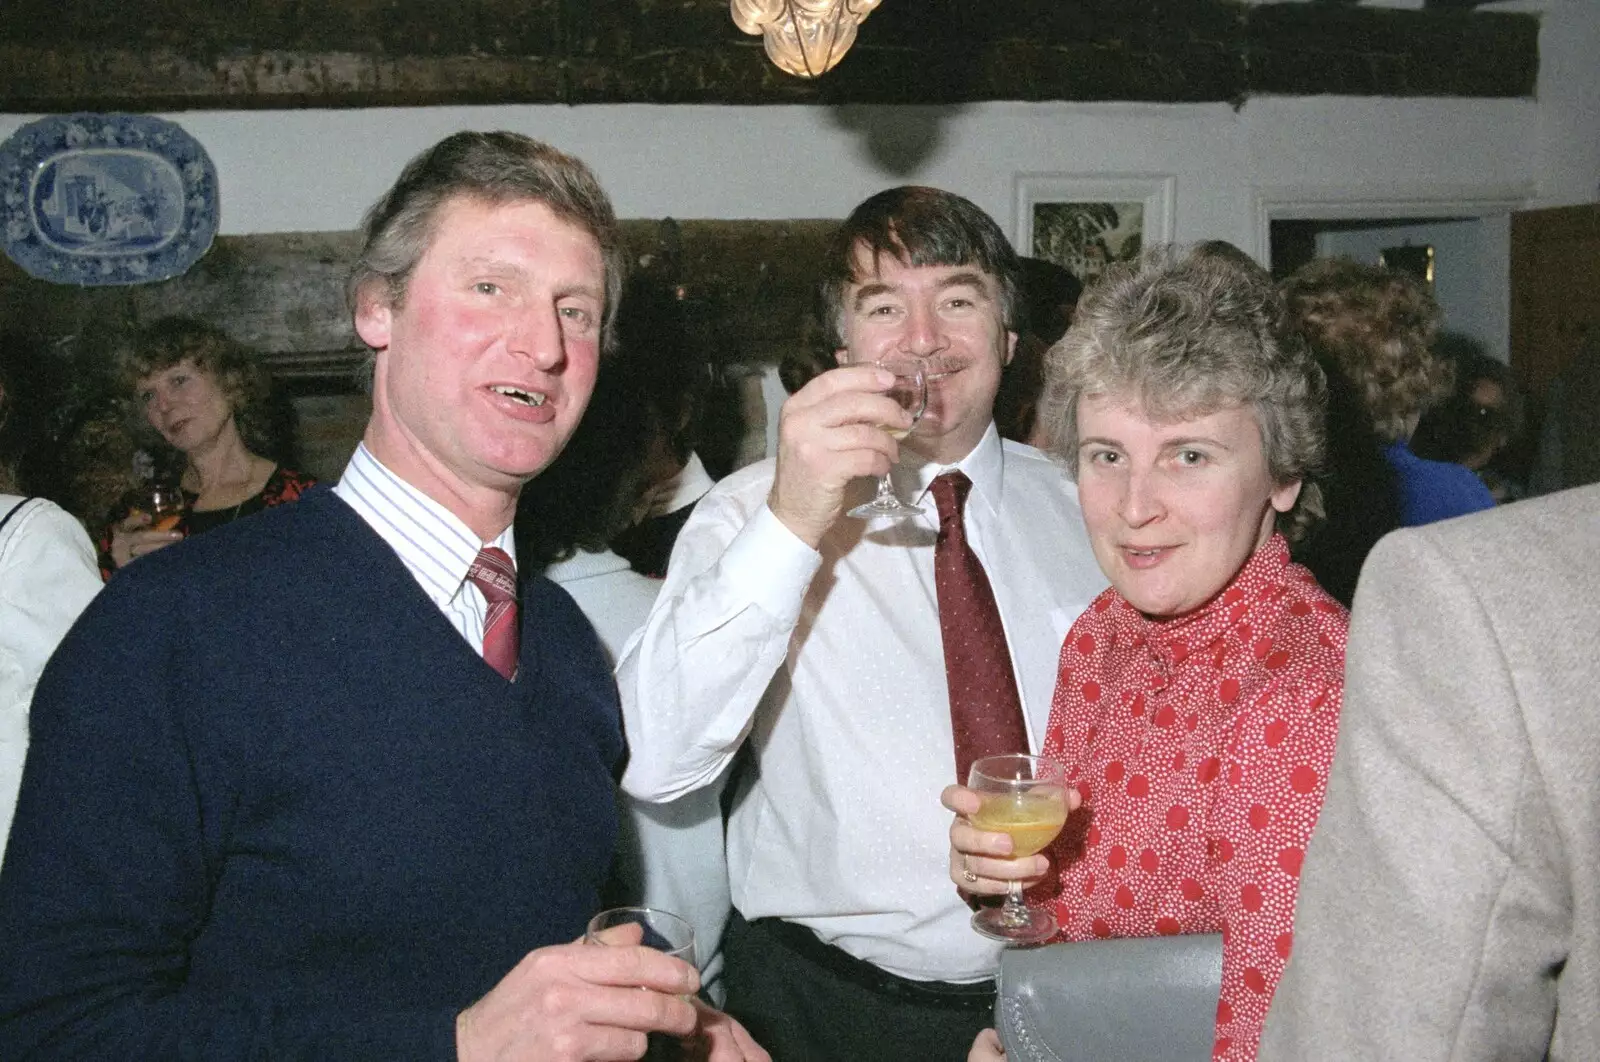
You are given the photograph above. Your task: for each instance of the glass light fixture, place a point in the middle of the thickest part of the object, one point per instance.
(803, 37)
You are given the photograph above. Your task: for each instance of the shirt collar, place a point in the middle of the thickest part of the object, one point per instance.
(688, 486)
(1172, 641)
(435, 545)
(984, 465)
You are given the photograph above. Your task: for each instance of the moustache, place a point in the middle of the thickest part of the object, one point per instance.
(940, 366)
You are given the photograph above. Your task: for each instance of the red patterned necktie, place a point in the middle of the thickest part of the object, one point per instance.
(985, 710)
(494, 574)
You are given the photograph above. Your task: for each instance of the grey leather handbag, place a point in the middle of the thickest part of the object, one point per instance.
(1136, 1000)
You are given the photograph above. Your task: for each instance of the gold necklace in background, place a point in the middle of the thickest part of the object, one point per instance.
(238, 506)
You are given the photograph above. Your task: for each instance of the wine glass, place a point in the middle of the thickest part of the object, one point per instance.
(163, 502)
(910, 390)
(663, 931)
(1026, 797)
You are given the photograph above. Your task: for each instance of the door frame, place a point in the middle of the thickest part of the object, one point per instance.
(1378, 200)
(1397, 200)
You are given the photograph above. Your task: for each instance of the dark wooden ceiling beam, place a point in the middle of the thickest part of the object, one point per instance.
(188, 54)
(1320, 48)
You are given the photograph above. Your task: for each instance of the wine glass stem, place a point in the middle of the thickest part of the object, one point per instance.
(885, 491)
(1014, 912)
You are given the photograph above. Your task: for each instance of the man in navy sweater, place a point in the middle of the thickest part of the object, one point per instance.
(301, 788)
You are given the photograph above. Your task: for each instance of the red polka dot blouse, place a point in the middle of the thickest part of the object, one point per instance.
(1201, 747)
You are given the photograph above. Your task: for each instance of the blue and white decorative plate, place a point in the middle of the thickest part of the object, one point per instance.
(97, 199)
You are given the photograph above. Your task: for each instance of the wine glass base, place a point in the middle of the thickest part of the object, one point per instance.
(1033, 926)
(879, 510)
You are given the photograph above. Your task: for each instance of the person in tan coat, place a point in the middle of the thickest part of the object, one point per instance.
(1450, 900)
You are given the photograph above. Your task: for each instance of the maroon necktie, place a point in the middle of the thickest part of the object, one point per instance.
(495, 575)
(985, 710)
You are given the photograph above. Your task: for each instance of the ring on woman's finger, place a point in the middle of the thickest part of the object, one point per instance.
(966, 871)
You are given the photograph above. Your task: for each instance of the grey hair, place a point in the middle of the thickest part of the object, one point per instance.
(496, 168)
(1183, 332)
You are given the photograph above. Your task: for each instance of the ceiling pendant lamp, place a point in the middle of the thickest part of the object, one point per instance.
(803, 37)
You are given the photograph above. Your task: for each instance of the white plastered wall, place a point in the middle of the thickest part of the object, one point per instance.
(307, 170)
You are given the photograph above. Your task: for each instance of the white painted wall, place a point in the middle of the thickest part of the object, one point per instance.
(1568, 140)
(317, 170)
(286, 171)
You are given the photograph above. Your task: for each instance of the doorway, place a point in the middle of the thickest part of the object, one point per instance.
(1468, 259)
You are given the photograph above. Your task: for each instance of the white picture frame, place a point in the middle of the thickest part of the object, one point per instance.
(1085, 222)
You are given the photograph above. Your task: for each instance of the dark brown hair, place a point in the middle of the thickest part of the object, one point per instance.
(917, 226)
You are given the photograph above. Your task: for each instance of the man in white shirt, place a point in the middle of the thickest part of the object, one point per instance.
(817, 637)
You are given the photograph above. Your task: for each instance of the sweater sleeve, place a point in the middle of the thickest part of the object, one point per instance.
(116, 855)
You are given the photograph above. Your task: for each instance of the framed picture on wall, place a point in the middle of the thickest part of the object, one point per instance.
(1086, 223)
(1418, 261)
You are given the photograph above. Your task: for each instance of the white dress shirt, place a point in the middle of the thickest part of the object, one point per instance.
(833, 663)
(670, 856)
(434, 544)
(47, 575)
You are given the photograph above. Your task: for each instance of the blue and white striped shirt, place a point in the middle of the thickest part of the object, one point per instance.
(434, 544)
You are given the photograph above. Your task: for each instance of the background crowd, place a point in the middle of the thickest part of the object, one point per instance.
(347, 777)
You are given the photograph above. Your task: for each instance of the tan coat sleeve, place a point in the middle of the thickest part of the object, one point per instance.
(1434, 908)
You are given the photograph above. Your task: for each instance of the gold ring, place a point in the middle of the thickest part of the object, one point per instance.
(966, 871)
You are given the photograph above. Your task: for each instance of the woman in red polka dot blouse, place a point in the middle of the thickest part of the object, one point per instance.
(1198, 698)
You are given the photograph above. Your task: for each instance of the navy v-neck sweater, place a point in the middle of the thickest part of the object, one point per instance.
(276, 807)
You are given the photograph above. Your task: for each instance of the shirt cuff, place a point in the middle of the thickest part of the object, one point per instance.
(773, 564)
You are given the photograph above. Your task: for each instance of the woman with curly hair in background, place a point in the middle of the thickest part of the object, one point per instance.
(1376, 327)
(208, 398)
(1372, 330)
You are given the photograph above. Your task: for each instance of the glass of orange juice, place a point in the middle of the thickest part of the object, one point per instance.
(163, 502)
(1025, 797)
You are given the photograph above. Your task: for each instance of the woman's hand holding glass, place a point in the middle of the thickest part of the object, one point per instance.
(153, 516)
(1011, 809)
(984, 862)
